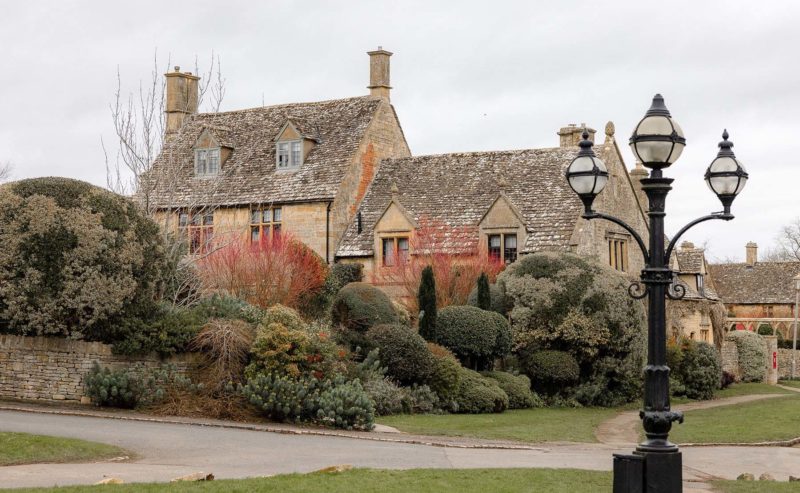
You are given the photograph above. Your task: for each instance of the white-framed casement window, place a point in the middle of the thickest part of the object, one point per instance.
(394, 251)
(206, 162)
(503, 247)
(288, 154)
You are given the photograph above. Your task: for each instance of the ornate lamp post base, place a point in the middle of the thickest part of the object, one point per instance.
(648, 472)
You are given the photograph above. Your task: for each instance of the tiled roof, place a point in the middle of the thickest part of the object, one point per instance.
(249, 175)
(762, 283)
(690, 260)
(454, 191)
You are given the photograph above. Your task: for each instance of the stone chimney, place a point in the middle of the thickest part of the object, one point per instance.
(181, 99)
(751, 253)
(687, 245)
(570, 136)
(637, 174)
(379, 73)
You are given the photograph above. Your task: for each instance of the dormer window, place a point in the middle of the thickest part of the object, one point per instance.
(206, 162)
(289, 154)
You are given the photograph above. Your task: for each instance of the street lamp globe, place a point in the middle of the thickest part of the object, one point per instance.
(725, 175)
(587, 174)
(657, 140)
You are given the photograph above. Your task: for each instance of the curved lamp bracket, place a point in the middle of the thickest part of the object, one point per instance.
(725, 216)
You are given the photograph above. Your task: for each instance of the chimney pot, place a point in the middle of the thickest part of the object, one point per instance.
(379, 85)
(687, 245)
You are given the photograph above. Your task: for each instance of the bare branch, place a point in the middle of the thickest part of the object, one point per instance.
(5, 171)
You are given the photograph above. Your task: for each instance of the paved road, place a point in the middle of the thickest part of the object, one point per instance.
(169, 450)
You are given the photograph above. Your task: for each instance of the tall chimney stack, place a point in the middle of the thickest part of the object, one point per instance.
(570, 136)
(751, 250)
(182, 95)
(379, 73)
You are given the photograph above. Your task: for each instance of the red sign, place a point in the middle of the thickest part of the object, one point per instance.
(774, 360)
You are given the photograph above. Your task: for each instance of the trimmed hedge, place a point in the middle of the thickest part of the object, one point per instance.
(551, 370)
(77, 261)
(700, 370)
(476, 336)
(403, 352)
(497, 298)
(478, 394)
(752, 354)
(446, 376)
(357, 307)
(518, 389)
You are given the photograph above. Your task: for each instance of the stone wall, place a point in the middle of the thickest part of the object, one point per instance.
(50, 368)
(785, 363)
(730, 360)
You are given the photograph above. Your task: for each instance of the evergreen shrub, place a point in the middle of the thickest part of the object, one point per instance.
(518, 389)
(551, 370)
(357, 307)
(476, 336)
(752, 351)
(426, 299)
(478, 394)
(403, 352)
(497, 298)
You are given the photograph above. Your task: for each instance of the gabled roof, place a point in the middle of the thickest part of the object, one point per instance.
(762, 283)
(690, 260)
(454, 191)
(249, 174)
(222, 135)
(304, 127)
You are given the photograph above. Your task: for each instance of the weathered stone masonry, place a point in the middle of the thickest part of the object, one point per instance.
(49, 368)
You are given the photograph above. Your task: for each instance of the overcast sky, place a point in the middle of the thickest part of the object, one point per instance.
(467, 76)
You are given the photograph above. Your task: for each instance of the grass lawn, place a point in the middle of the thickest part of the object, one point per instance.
(22, 448)
(527, 425)
(764, 420)
(756, 487)
(791, 383)
(384, 481)
(749, 389)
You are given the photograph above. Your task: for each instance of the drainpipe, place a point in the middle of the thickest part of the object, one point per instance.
(327, 233)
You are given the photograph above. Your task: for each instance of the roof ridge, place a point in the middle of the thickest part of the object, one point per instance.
(273, 106)
(473, 153)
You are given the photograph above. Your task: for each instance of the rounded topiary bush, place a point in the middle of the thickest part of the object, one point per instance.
(700, 370)
(288, 317)
(76, 259)
(403, 352)
(752, 351)
(551, 370)
(446, 375)
(518, 389)
(562, 302)
(357, 307)
(497, 295)
(476, 336)
(478, 394)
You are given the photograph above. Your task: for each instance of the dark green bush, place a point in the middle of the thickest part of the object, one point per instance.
(446, 376)
(338, 276)
(132, 387)
(77, 260)
(551, 371)
(478, 394)
(484, 299)
(497, 298)
(700, 370)
(334, 402)
(357, 307)
(403, 352)
(518, 389)
(563, 302)
(426, 299)
(765, 330)
(476, 336)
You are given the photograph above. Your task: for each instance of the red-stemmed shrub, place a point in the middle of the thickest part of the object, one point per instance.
(273, 271)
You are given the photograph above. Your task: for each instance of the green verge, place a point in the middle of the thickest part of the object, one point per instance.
(525, 425)
(383, 481)
(22, 448)
(749, 389)
(756, 486)
(791, 383)
(757, 421)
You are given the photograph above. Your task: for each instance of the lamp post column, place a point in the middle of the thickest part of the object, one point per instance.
(796, 315)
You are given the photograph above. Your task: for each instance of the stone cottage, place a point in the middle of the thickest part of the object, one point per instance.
(301, 168)
(757, 293)
(504, 203)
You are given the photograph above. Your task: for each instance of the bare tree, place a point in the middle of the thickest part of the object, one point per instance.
(5, 171)
(139, 122)
(789, 240)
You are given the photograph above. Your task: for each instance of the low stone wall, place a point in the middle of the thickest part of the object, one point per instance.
(50, 368)
(785, 363)
(730, 360)
(729, 354)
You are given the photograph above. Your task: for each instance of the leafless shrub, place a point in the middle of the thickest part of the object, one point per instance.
(225, 345)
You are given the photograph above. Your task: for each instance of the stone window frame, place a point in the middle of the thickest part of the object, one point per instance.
(273, 225)
(503, 248)
(396, 239)
(204, 169)
(618, 251)
(198, 227)
(294, 154)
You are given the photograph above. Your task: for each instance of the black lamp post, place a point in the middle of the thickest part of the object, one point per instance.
(657, 141)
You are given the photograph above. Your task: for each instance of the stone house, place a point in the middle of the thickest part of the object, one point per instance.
(502, 203)
(757, 293)
(700, 315)
(301, 168)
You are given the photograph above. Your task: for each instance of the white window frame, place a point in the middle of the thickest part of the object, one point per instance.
(205, 155)
(294, 154)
